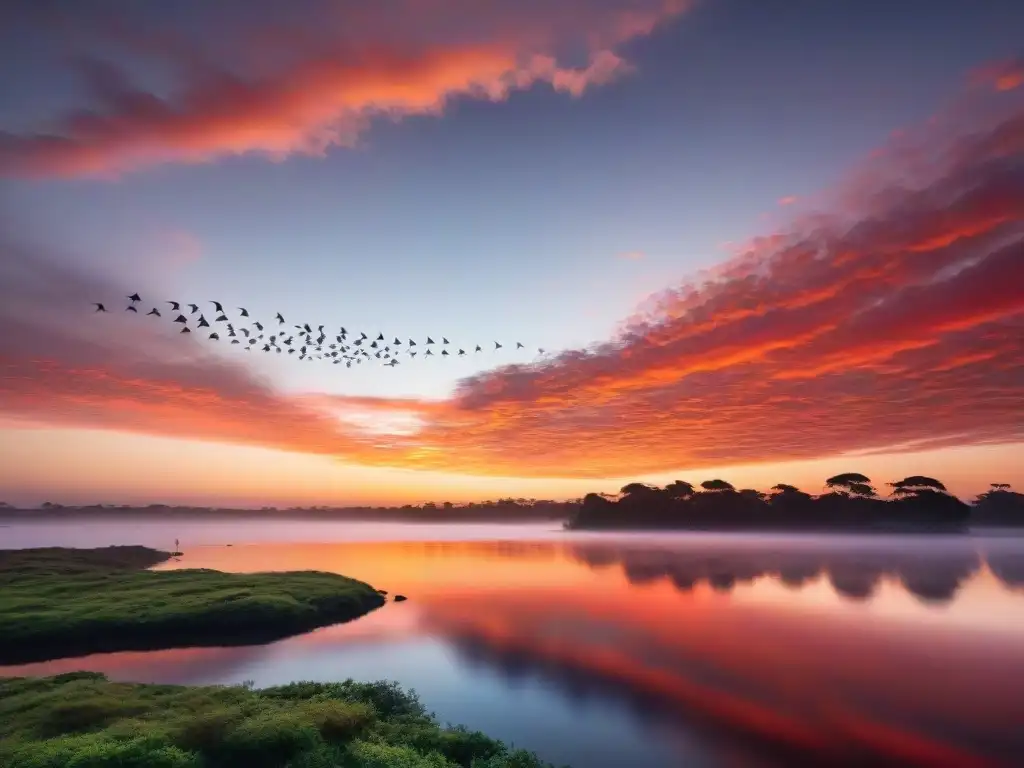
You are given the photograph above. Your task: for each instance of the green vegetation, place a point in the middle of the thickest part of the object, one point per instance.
(62, 602)
(81, 720)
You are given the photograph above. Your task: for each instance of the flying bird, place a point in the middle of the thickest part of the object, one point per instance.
(479, 348)
(280, 318)
(186, 329)
(429, 340)
(131, 308)
(203, 323)
(217, 306)
(444, 352)
(243, 311)
(194, 308)
(444, 340)
(175, 306)
(215, 336)
(519, 345)
(99, 307)
(134, 297)
(222, 318)
(259, 326)
(181, 319)
(462, 352)
(154, 311)
(380, 337)
(497, 345)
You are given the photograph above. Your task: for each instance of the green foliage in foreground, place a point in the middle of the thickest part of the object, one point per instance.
(81, 720)
(61, 602)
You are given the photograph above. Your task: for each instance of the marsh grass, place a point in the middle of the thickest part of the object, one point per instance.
(67, 602)
(82, 720)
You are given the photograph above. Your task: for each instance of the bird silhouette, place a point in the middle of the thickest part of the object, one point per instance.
(194, 308)
(519, 345)
(222, 318)
(131, 308)
(154, 311)
(429, 340)
(243, 311)
(444, 352)
(186, 329)
(444, 340)
(134, 297)
(497, 345)
(203, 323)
(259, 326)
(218, 307)
(462, 352)
(181, 319)
(99, 307)
(215, 336)
(380, 337)
(478, 348)
(235, 341)
(280, 318)
(175, 306)
(430, 352)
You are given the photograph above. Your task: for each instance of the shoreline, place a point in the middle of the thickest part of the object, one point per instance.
(60, 602)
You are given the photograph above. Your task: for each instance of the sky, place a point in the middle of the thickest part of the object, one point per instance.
(766, 242)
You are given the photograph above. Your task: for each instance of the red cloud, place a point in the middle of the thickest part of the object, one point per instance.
(896, 323)
(316, 81)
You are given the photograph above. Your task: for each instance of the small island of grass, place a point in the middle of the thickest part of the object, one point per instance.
(82, 719)
(67, 602)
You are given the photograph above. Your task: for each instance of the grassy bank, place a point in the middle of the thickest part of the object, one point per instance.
(64, 602)
(82, 720)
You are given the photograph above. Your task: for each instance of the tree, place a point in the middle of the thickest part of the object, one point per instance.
(637, 491)
(851, 483)
(679, 489)
(785, 488)
(717, 485)
(915, 484)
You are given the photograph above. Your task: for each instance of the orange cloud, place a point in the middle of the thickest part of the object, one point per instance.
(318, 80)
(898, 322)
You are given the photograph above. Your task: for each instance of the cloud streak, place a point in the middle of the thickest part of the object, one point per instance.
(313, 81)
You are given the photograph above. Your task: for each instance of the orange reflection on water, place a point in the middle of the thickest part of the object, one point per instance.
(866, 659)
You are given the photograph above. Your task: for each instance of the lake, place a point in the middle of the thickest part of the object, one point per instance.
(644, 650)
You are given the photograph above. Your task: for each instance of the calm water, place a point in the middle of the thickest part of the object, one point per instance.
(649, 651)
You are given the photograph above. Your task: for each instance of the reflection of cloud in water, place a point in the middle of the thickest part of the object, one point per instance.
(846, 697)
(933, 577)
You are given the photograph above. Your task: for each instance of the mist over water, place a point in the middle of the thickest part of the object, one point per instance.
(648, 650)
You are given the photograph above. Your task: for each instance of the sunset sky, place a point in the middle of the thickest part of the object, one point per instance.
(760, 241)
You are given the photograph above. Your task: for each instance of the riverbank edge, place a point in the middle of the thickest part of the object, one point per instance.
(30, 578)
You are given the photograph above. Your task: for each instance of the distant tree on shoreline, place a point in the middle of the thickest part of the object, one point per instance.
(849, 501)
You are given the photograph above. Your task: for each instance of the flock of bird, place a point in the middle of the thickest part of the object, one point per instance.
(340, 347)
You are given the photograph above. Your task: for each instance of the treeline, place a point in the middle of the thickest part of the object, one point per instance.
(849, 500)
(507, 509)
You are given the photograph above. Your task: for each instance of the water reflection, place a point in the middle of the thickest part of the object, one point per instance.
(603, 652)
(932, 577)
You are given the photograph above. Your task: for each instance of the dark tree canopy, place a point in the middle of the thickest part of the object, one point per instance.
(846, 478)
(679, 489)
(786, 488)
(717, 485)
(914, 483)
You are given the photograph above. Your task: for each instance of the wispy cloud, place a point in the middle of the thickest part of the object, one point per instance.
(314, 79)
